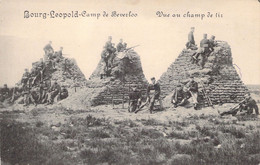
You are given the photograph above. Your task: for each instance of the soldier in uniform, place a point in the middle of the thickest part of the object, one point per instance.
(212, 43)
(4, 93)
(120, 46)
(25, 77)
(63, 93)
(135, 99)
(48, 50)
(193, 89)
(104, 57)
(157, 91)
(53, 92)
(191, 42)
(179, 97)
(203, 51)
(247, 105)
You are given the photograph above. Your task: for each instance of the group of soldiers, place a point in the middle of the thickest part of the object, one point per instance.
(35, 86)
(205, 49)
(180, 97)
(110, 52)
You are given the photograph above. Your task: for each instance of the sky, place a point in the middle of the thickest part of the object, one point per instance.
(161, 39)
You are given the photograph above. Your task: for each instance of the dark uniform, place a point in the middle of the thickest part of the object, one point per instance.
(25, 78)
(247, 105)
(53, 92)
(120, 47)
(179, 97)
(135, 100)
(4, 93)
(63, 94)
(154, 96)
(193, 88)
(48, 49)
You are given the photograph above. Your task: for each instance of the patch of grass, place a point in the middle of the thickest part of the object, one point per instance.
(99, 133)
(128, 123)
(151, 122)
(178, 135)
(238, 133)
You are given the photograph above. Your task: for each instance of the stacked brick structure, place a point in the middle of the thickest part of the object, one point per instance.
(124, 76)
(219, 76)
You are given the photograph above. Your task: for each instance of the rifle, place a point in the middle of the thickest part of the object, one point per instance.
(131, 47)
(206, 95)
(238, 105)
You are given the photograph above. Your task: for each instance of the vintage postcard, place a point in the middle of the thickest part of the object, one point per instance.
(129, 82)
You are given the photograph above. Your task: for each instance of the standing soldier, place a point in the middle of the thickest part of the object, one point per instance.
(191, 42)
(25, 77)
(104, 57)
(193, 88)
(4, 93)
(48, 50)
(156, 94)
(135, 100)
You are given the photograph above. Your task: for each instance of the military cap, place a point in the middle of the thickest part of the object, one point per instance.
(205, 34)
(192, 28)
(213, 37)
(179, 85)
(153, 78)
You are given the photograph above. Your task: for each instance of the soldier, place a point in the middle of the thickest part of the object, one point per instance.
(191, 42)
(25, 77)
(193, 89)
(134, 99)
(120, 46)
(247, 105)
(179, 97)
(212, 43)
(27, 96)
(63, 93)
(104, 57)
(204, 49)
(48, 49)
(44, 88)
(156, 87)
(4, 93)
(53, 92)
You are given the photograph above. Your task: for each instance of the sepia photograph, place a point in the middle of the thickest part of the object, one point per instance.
(133, 82)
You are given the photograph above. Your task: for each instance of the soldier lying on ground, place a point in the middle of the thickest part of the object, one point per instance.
(191, 42)
(134, 100)
(4, 93)
(155, 87)
(180, 97)
(246, 106)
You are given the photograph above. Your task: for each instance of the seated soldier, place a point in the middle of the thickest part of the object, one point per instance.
(212, 44)
(63, 93)
(179, 97)
(193, 89)
(247, 105)
(134, 100)
(53, 92)
(155, 94)
(4, 93)
(191, 42)
(27, 96)
(203, 50)
(44, 88)
(120, 46)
